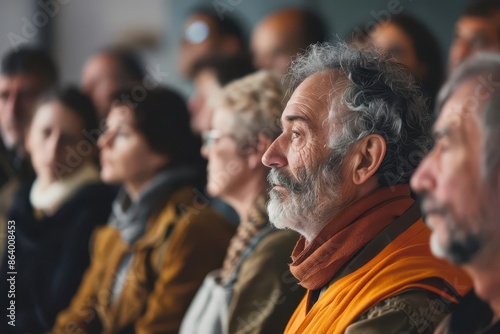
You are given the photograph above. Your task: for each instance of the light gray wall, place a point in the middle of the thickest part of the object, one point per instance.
(13, 26)
(84, 27)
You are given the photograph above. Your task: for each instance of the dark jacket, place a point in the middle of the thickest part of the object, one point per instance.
(471, 316)
(51, 254)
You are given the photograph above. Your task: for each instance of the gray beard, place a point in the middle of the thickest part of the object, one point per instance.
(307, 203)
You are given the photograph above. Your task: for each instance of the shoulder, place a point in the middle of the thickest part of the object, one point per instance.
(192, 214)
(277, 245)
(471, 315)
(271, 255)
(104, 239)
(412, 311)
(96, 192)
(21, 198)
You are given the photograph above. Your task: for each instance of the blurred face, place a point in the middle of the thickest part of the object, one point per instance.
(53, 140)
(125, 154)
(227, 167)
(269, 51)
(100, 81)
(305, 178)
(199, 40)
(394, 41)
(456, 204)
(205, 84)
(272, 47)
(473, 34)
(18, 94)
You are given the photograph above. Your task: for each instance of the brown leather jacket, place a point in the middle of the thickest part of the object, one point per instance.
(184, 242)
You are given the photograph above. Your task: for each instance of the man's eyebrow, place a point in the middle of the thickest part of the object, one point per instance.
(300, 118)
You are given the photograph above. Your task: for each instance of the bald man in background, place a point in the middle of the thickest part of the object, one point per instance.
(282, 34)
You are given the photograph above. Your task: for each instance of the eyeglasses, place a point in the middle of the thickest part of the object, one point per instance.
(210, 136)
(197, 32)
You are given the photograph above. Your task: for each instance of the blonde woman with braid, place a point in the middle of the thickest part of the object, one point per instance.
(253, 292)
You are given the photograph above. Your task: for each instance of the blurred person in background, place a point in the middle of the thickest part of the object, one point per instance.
(411, 43)
(477, 29)
(108, 71)
(56, 214)
(207, 34)
(459, 184)
(24, 76)
(162, 237)
(253, 292)
(284, 33)
(209, 75)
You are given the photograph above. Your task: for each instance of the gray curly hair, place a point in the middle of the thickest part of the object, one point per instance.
(381, 97)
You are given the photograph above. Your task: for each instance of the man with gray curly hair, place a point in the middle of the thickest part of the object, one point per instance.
(354, 130)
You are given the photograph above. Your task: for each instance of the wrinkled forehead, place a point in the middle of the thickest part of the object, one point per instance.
(320, 91)
(322, 86)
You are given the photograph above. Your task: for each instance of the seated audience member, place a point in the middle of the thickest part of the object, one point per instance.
(459, 182)
(108, 71)
(24, 76)
(412, 44)
(52, 219)
(208, 33)
(478, 29)
(284, 33)
(162, 238)
(353, 120)
(209, 75)
(255, 279)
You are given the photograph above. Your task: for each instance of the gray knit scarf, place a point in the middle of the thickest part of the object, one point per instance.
(131, 217)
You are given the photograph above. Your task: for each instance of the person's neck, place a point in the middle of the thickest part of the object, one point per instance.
(486, 277)
(134, 189)
(244, 199)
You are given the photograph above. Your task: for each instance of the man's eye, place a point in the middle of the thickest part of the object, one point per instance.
(442, 146)
(295, 135)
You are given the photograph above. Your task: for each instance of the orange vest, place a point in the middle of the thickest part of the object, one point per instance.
(403, 264)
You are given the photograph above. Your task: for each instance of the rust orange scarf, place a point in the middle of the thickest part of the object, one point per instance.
(406, 263)
(315, 264)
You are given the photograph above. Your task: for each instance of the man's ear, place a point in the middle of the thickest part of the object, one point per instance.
(367, 158)
(255, 155)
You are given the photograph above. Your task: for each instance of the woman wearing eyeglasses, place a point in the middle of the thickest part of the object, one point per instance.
(253, 292)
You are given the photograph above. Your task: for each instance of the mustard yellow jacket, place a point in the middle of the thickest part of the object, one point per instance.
(182, 243)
